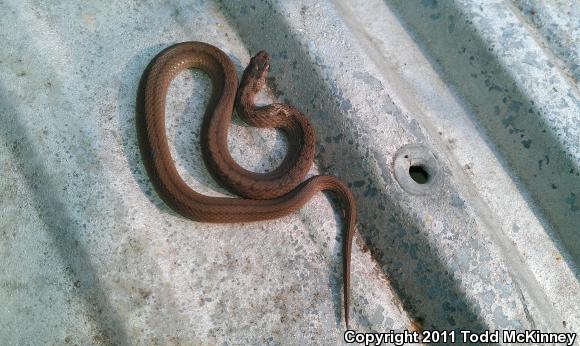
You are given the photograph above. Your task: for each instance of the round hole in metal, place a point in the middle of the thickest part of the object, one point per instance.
(416, 169)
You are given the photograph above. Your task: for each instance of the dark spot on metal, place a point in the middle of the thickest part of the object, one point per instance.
(274, 87)
(572, 201)
(457, 202)
(345, 105)
(527, 143)
(365, 248)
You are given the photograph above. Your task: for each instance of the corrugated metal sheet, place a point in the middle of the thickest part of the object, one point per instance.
(483, 93)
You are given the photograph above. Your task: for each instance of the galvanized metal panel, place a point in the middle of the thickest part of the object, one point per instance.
(484, 95)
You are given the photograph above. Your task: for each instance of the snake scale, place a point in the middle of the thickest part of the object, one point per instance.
(263, 196)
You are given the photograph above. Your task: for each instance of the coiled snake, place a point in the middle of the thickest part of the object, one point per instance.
(264, 195)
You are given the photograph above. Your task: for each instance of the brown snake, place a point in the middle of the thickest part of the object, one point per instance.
(265, 195)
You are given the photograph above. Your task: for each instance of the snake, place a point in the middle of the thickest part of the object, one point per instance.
(260, 196)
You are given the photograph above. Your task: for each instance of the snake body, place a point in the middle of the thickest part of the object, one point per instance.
(264, 195)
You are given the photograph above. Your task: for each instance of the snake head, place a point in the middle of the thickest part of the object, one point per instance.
(260, 64)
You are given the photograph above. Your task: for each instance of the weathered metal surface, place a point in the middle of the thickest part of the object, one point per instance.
(488, 89)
